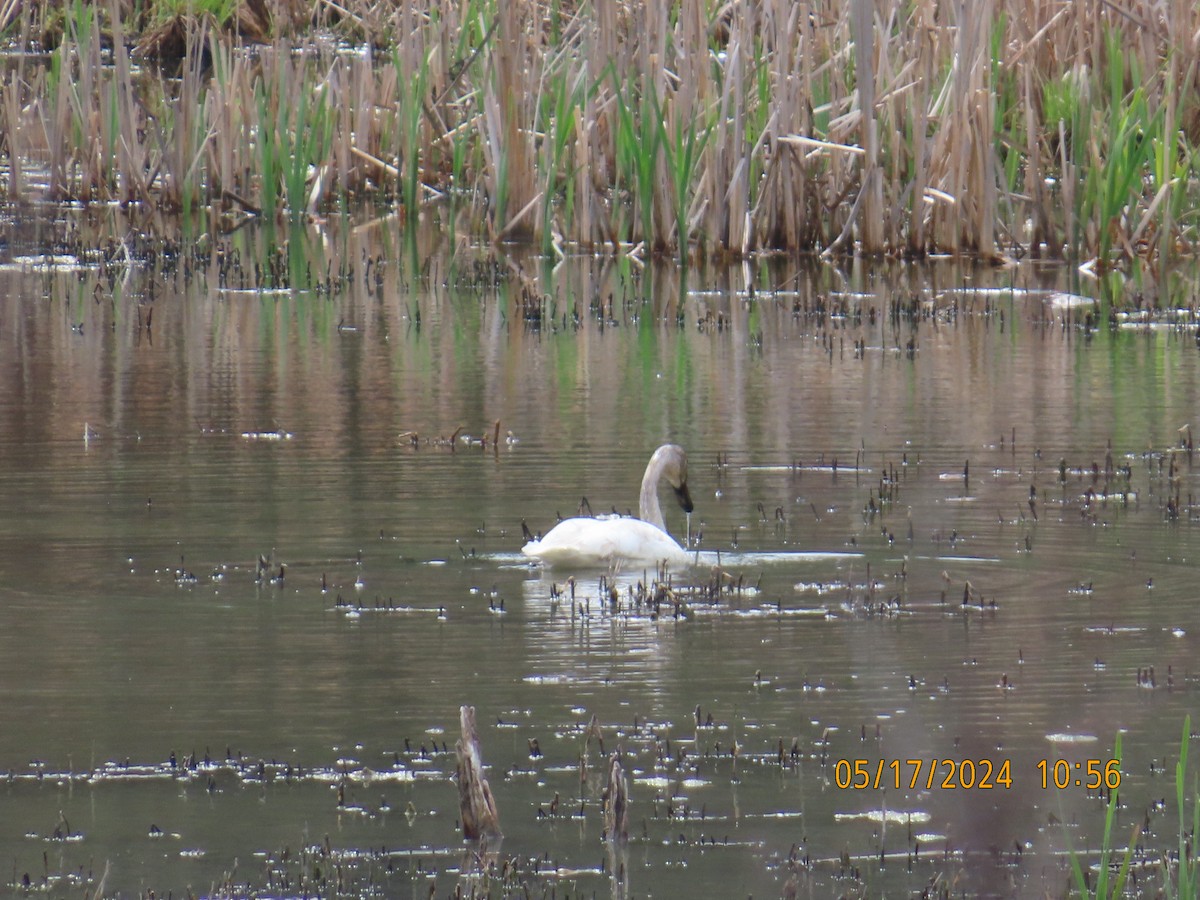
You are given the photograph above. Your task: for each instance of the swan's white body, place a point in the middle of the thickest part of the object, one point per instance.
(617, 541)
(614, 541)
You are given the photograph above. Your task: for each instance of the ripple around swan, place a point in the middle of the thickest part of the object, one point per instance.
(735, 558)
(702, 559)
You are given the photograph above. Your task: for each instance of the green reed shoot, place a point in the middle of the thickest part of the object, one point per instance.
(1106, 888)
(565, 108)
(185, 135)
(683, 147)
(309, 145)
(220, 11)
(1187, 876)
(267, 140)
(1066, 103)
(1124, 158)
(410, 97)
(294, 131)
(639, 140)
(1010, 117)
(72, 130)
(1171, 171)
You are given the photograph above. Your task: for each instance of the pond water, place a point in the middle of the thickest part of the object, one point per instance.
(950, 513)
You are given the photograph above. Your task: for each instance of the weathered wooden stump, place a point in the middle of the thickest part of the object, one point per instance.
(616, 803)
(478, 807)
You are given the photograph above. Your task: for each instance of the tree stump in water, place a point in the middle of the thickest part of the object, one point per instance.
(479, 816)
(616, 803)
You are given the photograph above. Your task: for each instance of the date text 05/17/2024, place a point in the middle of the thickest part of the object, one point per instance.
(972, 774)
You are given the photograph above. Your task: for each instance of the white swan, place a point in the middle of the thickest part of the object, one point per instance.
(615, 541)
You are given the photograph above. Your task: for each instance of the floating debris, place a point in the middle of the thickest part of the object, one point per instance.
(1065, 300)
(900, 817)
(1060, 737)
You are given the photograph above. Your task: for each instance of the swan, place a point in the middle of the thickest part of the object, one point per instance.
(613, 541)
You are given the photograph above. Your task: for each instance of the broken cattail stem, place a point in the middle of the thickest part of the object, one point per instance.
(593, 733)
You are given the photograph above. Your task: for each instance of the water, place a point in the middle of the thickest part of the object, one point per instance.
(903, 474)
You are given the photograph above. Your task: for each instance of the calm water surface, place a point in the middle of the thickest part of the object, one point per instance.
(903, 469)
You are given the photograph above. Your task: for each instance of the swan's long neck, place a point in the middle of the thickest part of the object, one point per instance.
(648, 508)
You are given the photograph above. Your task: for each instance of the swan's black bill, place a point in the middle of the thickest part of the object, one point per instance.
(684, 498)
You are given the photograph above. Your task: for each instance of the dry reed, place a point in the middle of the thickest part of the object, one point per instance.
(993, 127)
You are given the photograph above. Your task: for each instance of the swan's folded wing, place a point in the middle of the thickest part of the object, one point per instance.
(606, 543)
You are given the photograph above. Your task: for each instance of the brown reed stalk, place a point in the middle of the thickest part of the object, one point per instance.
(779, 207)
(134, 163)
(508, 122)
(56, 125)
(223, 107)
(14, 125)
(9, 10)
(923, 22)
(689, 101)
(92, 118)
(11, 149)
(727, 171)
(594, 148)
(870, 202)
(653, 50)
(1036, 147)
(964, 171)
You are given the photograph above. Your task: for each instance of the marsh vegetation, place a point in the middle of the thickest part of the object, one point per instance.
(993, 127)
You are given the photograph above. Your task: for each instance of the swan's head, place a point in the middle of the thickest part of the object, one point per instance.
(684, 498)
(672, 466)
